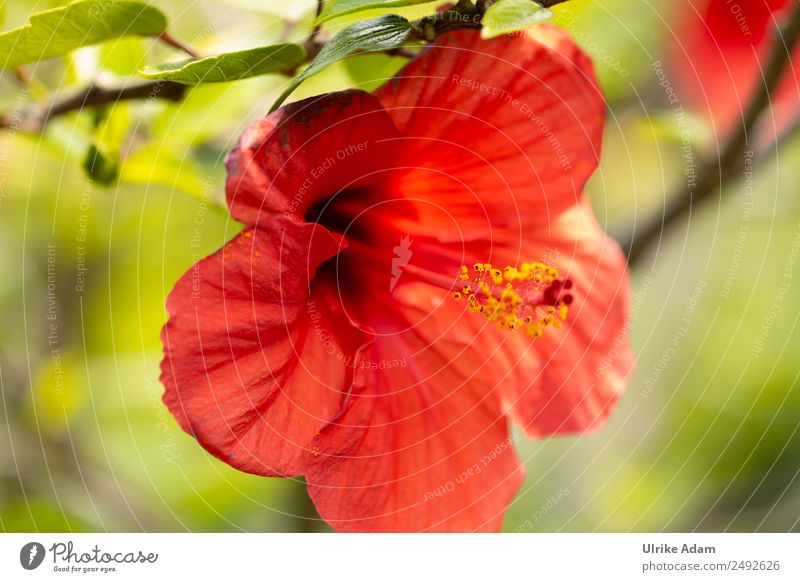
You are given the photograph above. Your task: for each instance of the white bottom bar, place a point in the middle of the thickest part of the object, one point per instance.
(401, 557)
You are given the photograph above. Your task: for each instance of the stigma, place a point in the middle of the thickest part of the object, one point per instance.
(531, 297)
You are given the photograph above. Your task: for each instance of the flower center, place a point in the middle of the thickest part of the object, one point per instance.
(532, 296)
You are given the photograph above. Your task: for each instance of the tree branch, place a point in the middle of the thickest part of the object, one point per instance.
(96, 95)
(312, 44)
(463, 15)
(715, 173)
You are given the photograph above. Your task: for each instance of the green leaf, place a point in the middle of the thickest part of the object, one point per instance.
(376, 34)
(3, 12)
(508, 16)
(56, 32)
(101, 163)
(230, 66)
(336, 8)
(100, 167)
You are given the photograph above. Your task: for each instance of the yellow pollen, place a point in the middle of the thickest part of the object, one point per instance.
(530, 297)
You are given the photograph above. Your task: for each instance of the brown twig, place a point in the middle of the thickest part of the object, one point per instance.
(463, 15)
(94, 96)
(22, 77)
(317, 14)
(715, 173)
(168, 39)
(312, 45)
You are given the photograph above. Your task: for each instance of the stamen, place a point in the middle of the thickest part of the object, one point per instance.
(532, 296)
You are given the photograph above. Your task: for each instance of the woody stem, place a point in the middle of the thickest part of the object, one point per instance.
(714, 173)
(463, 15)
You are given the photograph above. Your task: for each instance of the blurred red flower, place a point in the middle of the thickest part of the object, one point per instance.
(356, 331)
(719, 54)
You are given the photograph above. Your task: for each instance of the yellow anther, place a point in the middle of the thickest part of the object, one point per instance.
(530, 296)
(535, 330)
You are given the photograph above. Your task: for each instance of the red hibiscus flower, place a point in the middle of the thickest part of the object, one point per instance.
(719, 57)
(363, 329)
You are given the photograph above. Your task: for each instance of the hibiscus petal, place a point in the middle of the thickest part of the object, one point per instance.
(248, 370)
(422, 445)
(306, 152)
(495, 130)
(569, 379)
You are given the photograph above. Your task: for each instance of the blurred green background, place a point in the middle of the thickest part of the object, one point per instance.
(706, 437)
